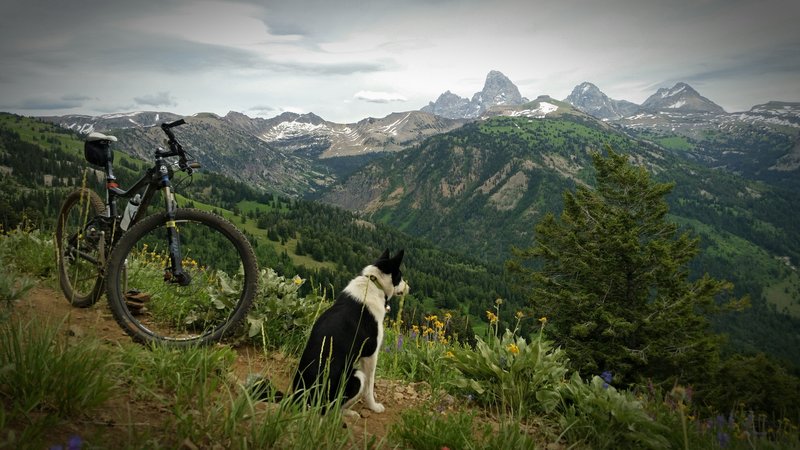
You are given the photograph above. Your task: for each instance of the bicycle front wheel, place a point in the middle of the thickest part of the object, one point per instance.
(79, 240)
(152, 308)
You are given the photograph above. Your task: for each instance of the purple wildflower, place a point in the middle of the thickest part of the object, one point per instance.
(607, 377)
(74, 443)
(723, 439)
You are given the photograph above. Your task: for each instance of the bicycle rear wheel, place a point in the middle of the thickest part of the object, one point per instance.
(154, 309)
(78, 241)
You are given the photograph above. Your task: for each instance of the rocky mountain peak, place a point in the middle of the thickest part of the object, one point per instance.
(497, 90)
(590, 99)
(680, 97)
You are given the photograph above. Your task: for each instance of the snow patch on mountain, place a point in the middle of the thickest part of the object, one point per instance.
(542, 110)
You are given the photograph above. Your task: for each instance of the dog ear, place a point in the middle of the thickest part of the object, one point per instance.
(382, 260)
(393, 265)
(398, 258)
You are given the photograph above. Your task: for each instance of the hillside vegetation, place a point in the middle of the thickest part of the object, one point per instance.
(321, 243)
(480, 189)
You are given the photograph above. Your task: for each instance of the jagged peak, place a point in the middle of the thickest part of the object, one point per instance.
(680, 97)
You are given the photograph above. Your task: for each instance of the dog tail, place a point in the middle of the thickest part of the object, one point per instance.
(261, 389)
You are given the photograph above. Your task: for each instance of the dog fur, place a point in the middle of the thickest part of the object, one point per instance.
(341, 354)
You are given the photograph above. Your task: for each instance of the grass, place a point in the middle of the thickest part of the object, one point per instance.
(508, 392)
(785, 294)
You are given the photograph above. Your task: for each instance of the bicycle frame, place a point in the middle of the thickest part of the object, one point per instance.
(157, 178)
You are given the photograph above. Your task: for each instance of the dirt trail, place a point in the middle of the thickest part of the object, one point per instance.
(46, 304)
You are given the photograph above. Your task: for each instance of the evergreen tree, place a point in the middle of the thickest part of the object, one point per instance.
(611, 276)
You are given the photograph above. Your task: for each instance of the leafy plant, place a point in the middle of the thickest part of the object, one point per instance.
(280, 317)
(510, 372)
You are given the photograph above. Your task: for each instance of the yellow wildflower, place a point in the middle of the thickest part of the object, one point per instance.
(449, 354)
(297, 280)
(519, 315)
(512, 347)
(491, 316)
(543, 320)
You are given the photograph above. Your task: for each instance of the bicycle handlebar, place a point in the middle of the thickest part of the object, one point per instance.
(175, 147)
(173, 124)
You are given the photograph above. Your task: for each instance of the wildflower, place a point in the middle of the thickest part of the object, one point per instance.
(723, 439)
(400, 342)
(491, 316)
(519, 315)
(297, 280)
(449, 354)
(447, 317)
(543, 320)
(512, 347)
(607, 376)
(498, 302)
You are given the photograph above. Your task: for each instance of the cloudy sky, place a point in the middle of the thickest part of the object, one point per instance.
(346, 60)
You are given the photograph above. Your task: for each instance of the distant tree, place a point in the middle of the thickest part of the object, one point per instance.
(611, 276)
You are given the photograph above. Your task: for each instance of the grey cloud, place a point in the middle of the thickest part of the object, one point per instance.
(159, 99)
(782, 59)
(344, 68)
(52, 103)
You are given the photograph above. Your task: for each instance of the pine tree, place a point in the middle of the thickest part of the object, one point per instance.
(611, 276)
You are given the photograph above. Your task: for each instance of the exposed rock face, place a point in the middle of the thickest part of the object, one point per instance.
(498, 90)
(680, 97)
(590, 99)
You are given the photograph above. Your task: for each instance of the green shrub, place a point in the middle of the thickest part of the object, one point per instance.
(280, 318)
(599, 416)
(509, 372)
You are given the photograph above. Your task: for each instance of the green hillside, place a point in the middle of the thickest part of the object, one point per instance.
(319, 242)
(481, 189)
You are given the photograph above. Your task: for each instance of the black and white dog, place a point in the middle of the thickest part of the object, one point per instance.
(341, 354)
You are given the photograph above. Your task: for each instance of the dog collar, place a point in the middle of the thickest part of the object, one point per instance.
(378, 284)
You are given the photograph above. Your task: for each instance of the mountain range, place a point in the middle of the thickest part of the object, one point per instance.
(331, 150)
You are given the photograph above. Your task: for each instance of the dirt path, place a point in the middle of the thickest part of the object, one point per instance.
(43, 303)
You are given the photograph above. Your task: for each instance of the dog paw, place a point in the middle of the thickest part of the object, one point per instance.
(377, 407)
(351, 414)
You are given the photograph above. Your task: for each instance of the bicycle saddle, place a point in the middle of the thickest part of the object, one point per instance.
(95, 136)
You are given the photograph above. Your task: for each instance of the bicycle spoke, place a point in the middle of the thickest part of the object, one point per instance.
(78, 247)
(152, 306)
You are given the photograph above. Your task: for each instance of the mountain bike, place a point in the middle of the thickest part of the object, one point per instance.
(179, 277)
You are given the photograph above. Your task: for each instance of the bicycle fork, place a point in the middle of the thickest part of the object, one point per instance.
(175, 273)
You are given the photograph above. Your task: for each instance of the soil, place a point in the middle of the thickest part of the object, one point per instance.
(116, 416)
